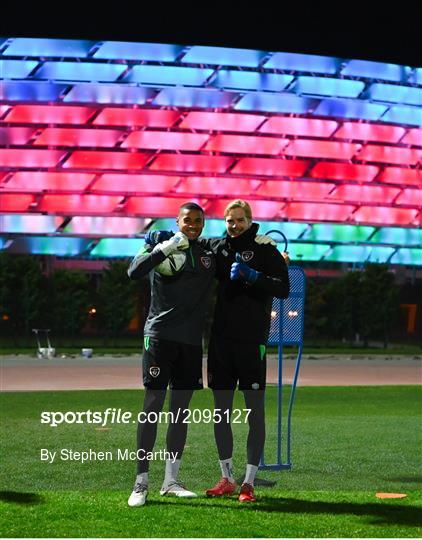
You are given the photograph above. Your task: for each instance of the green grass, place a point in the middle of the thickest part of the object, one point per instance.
(348, 444)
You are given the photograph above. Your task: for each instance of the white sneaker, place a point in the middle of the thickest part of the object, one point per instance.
(138, 495)
(177, 489)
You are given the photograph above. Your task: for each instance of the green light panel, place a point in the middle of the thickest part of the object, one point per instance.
(117, 247)
(396, 235)
(359, 254)
(305, 252)
(338, 233)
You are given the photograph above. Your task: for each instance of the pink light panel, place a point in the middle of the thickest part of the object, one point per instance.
(49, 114)
(136, 117)
(384, 215)
(413, 137)
(78, 137)
(15, 203)
(191, 163)
(412, 197)
(390, 154)
(271, 167)
(15, 135)
(401, 175)
(38, 181)
(344, 171)
(222, 121)
(261, 209)
(165, 140)
(294, 190)
(307, 127)
(359, 194)
(369, 132)
(132, 183)
(23, 158)
(106, 160)
(246, 145)
(155, 206)
(319, 211)
(77, 204)
(217, 186)
(321, 149)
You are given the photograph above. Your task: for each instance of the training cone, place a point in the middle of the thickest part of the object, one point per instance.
(390, 495)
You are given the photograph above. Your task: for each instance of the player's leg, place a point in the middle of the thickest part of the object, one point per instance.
(222, 380)
(185, 377)
(155, 376)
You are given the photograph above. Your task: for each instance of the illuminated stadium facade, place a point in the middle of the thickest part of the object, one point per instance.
(101, 141)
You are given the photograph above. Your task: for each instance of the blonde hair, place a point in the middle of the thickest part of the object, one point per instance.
(239, 203)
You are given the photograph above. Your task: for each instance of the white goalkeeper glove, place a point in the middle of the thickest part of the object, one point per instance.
(176, 243)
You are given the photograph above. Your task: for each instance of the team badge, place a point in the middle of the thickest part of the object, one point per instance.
(247, 255)
(206, 261)
(154, 371)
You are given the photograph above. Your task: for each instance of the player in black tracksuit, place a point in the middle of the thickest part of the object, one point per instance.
(172, 343)
(250, 275)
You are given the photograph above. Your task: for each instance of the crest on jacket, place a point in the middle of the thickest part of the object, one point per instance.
(154, 371)
(206, 261)
(247, 255)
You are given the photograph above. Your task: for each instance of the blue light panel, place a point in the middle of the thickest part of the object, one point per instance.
(30, 91)
(348, 108)
(194, 97)
(322, 86)
(319, 232)
(261, 101)
(116, 50)
(359, 254)
(249, 80)
(168, 75)
(16, 69)
(303, 62)
(49, 47)
(407, 256)
(44, 245)
(403, 115)
(74, 71)
(113, 94)
(117, 247)
(222, 56)
(305, 252)
(291, 230)
(396, 235)
(395, 94)
(33, 224)
(376, 70)
(417, 77)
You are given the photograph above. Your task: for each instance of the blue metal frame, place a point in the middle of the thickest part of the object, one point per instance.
(287, 333)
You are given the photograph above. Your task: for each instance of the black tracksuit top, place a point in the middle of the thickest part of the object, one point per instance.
(242, 311)
(179, 303)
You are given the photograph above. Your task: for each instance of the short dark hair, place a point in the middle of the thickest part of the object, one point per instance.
(191, 206)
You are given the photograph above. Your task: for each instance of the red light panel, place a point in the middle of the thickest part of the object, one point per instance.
(222, 121)
(413, 137)
(260, 209)
(38, 181)
(369, 132)
(390, 154)
(136, 117)
(237, 187)
(307, 127)
(400, 175)
(3, 109)
(271, 167)
(321, 149)
(191, 163)
(15, 203)
(78, 204)
(78, 137)
(155, 206)
(294, 190)
(412, 197)
(384, 216)
(30, 158)
(15, 135)
(344, 171)
(368, 194)
(165, 140)
(319, 212)
(106, 160)
(50, 114)
(133, 183)
(246, 145)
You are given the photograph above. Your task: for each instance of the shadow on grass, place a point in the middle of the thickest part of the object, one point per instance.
(407, 479)
(20, 498)
(382, 512)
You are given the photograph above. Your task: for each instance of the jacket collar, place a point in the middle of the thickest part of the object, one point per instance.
(245, 239)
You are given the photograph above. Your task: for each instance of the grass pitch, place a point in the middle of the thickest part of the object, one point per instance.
(348, 444)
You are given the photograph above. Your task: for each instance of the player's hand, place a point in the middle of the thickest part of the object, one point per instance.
(240, 270)
(152, 238)
(264, 239)
(286, 257)
(176, 243)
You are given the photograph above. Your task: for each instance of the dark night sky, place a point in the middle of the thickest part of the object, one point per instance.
(385, 36)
